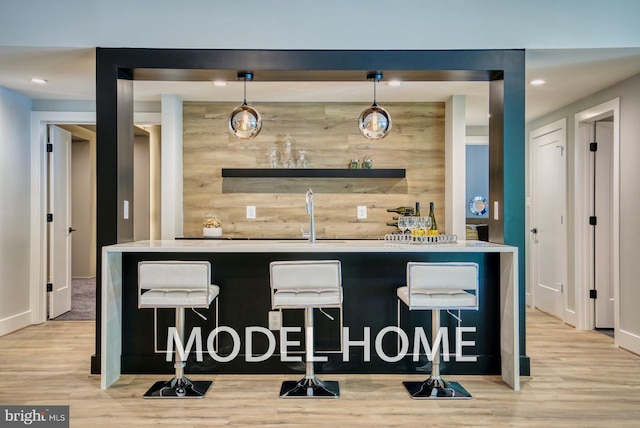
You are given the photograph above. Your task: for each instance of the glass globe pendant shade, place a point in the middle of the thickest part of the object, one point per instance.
(374, 122)
(244, 120)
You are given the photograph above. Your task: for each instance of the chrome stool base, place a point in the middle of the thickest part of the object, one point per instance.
(310, 387)
(178, 388)
(436, 389)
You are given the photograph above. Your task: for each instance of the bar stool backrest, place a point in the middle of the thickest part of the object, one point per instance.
(175, 275)
(174, 283)
(311, 274)
(447, 276)
(454, 276)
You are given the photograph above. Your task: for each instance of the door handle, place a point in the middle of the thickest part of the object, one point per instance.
(71, 230)
(534, 230)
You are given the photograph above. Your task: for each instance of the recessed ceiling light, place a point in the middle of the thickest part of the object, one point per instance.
(395, 83)
(38, 80)
(219, 83)
(537, 82)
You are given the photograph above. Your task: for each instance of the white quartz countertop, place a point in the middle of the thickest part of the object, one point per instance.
(302, 246)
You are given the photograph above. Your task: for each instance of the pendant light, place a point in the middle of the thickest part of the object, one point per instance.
(244, 120)
(374, 122)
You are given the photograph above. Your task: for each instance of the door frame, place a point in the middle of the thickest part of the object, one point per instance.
(38, 221)
(582, 211)
(561, 125)
(38, 213)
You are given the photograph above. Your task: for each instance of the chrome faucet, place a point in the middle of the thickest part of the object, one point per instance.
(312, 225)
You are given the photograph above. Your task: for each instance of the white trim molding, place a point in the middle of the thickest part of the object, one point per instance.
(38, 214)
(582, 210)
(568, 315)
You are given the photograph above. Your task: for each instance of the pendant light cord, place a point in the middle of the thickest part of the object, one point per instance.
(375, 81)
(245, 90)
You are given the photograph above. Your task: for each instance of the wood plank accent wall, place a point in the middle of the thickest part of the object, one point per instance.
(329, 135)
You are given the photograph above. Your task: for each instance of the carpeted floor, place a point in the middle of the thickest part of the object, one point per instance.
(83, 301)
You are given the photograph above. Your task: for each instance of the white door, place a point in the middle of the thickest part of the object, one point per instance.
(60, 228)
(549, 221)
(603, 207)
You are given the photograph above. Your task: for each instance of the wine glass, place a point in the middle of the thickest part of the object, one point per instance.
(426, 225)
(412, 224)
(402, 224)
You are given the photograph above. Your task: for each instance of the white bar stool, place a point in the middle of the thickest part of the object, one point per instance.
(179, 285)
(308, 285)
(435, 287)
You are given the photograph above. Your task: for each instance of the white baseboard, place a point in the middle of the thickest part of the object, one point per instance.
(627, 340)
(15, 322)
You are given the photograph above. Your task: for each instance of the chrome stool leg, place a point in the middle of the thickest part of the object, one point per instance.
(435, 387)
(309, 386)
(179, 386)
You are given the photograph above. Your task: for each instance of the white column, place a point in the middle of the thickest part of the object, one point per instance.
(171, 164)
(455, 165)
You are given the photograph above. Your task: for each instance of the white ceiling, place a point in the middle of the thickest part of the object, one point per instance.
(571, 74)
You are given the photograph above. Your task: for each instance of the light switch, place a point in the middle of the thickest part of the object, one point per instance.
(496, 210)
(126, 210)
(251, 211)
(362, 212)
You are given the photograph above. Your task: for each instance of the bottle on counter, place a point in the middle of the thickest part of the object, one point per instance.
(433, 230)
(418, 230)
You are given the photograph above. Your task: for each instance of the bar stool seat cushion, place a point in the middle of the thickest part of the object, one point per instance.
(307, 297)
(437, 298)
(176, 298)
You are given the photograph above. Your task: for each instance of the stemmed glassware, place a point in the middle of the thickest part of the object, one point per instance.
(425, 225)
(412, 224)
(419, 232)
(402, 224)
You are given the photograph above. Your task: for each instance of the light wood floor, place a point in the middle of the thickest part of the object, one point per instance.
(578, 379)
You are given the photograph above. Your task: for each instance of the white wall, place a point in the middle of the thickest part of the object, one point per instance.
(15, 116)
(141, 185)
(629, 93)
(154, 181)
(304, 24)
(83, 200)
(81, 210)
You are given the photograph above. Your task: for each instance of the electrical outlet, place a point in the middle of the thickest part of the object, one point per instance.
(251, 211)
(275, 320)
(362, 212)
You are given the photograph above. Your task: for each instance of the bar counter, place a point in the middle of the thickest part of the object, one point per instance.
(372, 271)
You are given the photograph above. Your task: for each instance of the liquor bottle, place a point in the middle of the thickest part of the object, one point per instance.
(392, 224)
(433, 230)
(418, 230)
(401, 210)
